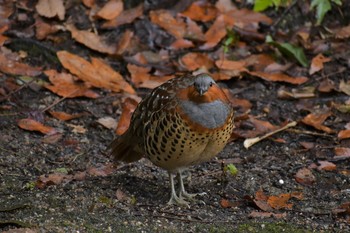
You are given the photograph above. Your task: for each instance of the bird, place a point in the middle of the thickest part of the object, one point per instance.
(185, 121)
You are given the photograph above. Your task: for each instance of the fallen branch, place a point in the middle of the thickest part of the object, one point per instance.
(251, 141)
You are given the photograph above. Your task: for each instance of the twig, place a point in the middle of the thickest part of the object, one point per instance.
(309, 133)
(59, 101)
(251, 141)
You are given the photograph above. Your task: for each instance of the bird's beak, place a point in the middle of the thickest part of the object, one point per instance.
(201, 92)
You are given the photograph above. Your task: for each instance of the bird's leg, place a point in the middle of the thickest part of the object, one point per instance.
(174, 199)
(183, 192)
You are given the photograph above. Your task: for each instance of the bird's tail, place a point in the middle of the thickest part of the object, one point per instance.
(123, 149)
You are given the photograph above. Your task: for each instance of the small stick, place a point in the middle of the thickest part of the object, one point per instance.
(251, 141)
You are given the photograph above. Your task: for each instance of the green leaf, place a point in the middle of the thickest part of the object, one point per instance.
(322, 7)
(232, 169)
(338, 2)
(290, 51)
(261, 5)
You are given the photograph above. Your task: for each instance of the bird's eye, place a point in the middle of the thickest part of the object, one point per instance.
(211, 84)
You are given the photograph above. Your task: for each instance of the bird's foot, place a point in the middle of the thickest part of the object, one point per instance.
(175, 200)
(191, 196)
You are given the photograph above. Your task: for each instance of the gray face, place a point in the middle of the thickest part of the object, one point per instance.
(202, 83)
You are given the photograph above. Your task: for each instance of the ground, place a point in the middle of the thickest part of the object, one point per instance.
(87, 193)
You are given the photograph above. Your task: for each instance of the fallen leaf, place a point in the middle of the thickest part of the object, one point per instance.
(279, 77)
(317, 63)
(52, 179)
(9, 65)
(200, 12)
(124, 42)
(51, 8)
(52, 138)
(65, 86)
(342, 153)
(307, 145)
(127, 16)
(181, 44)
(194, 61)
(103, 170)
(345, 87)
(248, 19)
(108, 122)
(217, 31)
(111, 9)
(297, 93)
(63, 116)
(43, 29)
(280, 201)
(231, 65)
(225, 5)
(224, 203)
(77, 128)
(326, 166)
(32, 125)
(88, 3)
(97, 73)
(326, 86)
(128, 106)
(316, 121)
(304, 176)
(91, 40)
(257, 214)
(165, 20)
(343, 134)
(342, 33)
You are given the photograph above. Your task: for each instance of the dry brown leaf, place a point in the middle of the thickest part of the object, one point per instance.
(128, 106)
(164, 19)
(65, 86)
(52, 138)
(248, 19)
(326, 86)
(304, 176)
(343, 134)
(77, 128)
(228, 204)
(217, 31)
(42, 29)
(63, 116)
(257, 214)
(307, 145)
(88, 3)
(326, 166)
(193, 61)
(181, 44)
(91, 40)
(317, 63)
(280, 201)
(193, 31)
(3, 38)
(33, 125)
(279, 77)
(243, 104)
(231, 65)
(342, 153)
(111, 9)
(201, 12)
(52, 179)
(345, 87)
(297, 93)
(9, 65)
(51, 8)
(342, 33)
(225, 5)
(127, 16)
(108, 122)
(316, 121)
(259, 62)
(103, 170)
(124, 42)
(97, 73)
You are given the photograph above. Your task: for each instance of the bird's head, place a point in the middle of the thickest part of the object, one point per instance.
(203, 90)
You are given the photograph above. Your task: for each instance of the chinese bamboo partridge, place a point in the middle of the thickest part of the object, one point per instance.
(185, 121)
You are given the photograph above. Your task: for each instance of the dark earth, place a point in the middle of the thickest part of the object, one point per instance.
(133, 198)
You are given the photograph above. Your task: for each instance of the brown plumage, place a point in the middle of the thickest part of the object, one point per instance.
(185, 121)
